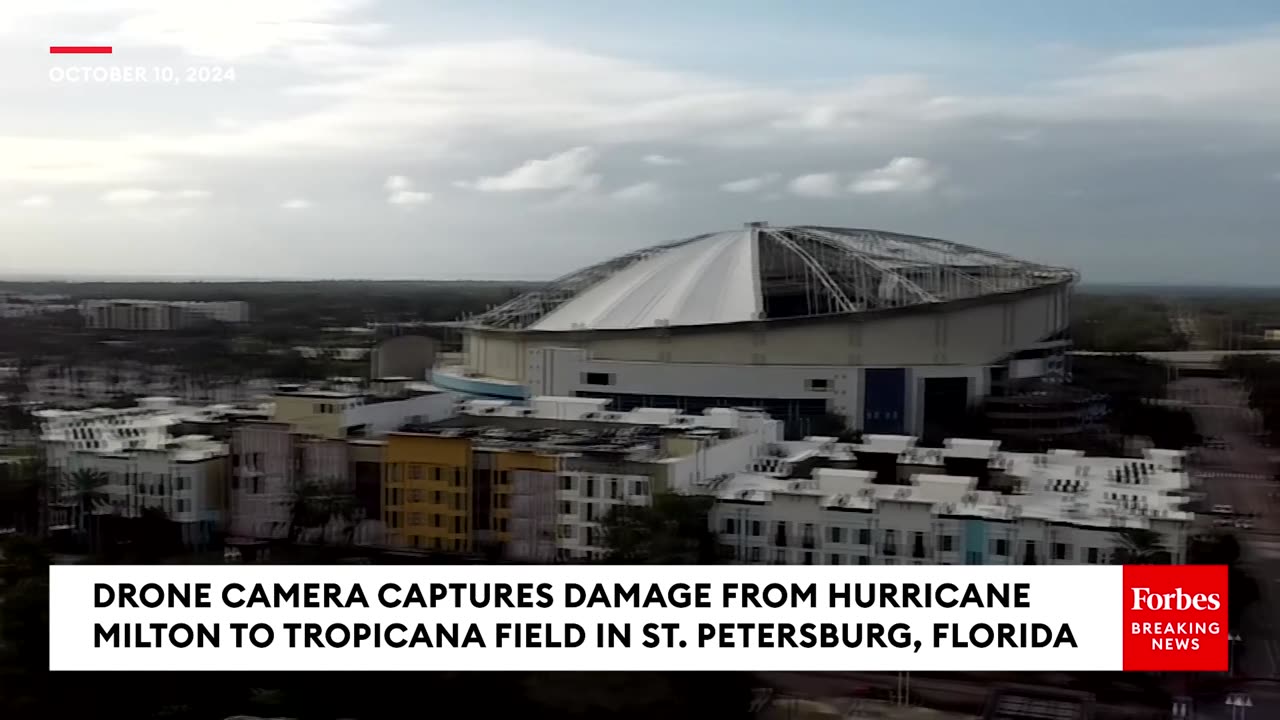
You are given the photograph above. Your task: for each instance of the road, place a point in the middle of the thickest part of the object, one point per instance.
(1239, 474)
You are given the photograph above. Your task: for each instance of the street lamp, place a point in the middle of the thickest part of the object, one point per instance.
(1239, 704)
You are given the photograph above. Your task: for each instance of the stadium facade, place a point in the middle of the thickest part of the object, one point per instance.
(891, 333)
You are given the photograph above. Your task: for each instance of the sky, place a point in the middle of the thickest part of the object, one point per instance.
(404, 139)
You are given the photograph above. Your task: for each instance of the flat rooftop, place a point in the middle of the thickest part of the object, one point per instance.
(1058, 486)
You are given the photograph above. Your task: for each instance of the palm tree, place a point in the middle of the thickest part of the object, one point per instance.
(86, 492)
(307, 510)
(1139, 546)
(672, 531)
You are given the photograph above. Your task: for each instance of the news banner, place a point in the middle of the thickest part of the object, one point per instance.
(912, 618)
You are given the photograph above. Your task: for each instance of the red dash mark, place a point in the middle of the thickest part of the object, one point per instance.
(80, 50)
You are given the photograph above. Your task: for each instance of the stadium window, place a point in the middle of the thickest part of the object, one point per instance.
(817, 384)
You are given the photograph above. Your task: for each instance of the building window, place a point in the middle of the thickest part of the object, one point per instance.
(835, 536)
(457, 524)
(566, 482)
(591, 487)
(502, 477)
(1092, 556)
(566, 508)
(728, 526)
(817, 384)
(755, 528)
(864, 560)
(597, 378)
(755, 554)
(833, 559)
(944, 543)
(1001, 547)
(780, 556)
(640, 487)
(1059, 551)
(415, 472)
(808, 557)
(864, 536)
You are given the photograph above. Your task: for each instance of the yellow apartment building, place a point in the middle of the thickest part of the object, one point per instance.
(448, 494)
(426, 492)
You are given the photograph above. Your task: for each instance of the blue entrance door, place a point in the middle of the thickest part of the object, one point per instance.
(884, 401)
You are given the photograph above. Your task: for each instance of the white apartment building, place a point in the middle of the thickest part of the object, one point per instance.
(183, 477)
(1009, 508)
(605, 459)
(153, 315)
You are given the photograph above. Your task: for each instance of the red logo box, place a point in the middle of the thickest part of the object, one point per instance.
(1175, 618)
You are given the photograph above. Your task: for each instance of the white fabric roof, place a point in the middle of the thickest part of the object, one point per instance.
(710, 280)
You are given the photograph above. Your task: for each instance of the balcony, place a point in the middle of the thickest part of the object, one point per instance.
(889, 550)
(808, 542)
(780, 539)
(919, 552)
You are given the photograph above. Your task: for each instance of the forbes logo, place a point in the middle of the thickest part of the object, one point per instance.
(1144, 599)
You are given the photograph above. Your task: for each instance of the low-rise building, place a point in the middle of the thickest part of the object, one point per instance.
(154, 315)
(330, 442)
(538, 479)
(183, 477)
(340, 414)
(885, 501)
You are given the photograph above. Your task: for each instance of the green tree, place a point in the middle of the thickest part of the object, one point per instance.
(1139, 546)
(674, 530)
(86, 491)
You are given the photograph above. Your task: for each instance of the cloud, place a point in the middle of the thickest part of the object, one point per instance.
(35, 201)
(296, 204)
(400, 192)
(662, 160)
(815, 185)
(750, 184)
(408, 197)
(639, 192)
(900, 175)
(192, 194)
(130, 196)
(567, 170)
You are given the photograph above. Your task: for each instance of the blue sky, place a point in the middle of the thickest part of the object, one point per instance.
(1136, 141)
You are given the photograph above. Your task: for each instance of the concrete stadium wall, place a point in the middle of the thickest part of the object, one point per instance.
(965, 335)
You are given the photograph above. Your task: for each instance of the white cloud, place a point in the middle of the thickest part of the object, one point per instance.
(408, 197)
(568, 170)
(750, 184)
(816, 185)
(35, 201)
(396, 183)
(296, 204)
(639, 192)
(130, 196)
(663, 160)
(400, 191)
(900, 175)
(192, 194)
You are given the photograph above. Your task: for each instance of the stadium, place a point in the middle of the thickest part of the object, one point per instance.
(890, 333)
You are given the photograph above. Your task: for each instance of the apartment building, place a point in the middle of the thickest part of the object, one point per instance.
(340, 414)
(156, 315)
(885, 502)
(331, 440)
(538, 479)
(183, 477)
